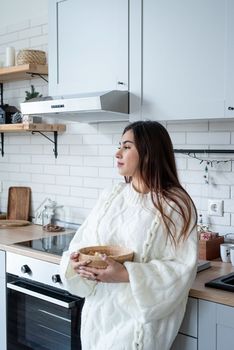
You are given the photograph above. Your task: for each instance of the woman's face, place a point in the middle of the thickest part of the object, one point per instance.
(127, 156)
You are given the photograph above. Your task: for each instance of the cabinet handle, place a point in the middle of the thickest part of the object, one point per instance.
(231, 108)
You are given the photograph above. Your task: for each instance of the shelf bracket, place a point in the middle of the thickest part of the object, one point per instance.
(2, 144)
(54, 141)
(37, 74)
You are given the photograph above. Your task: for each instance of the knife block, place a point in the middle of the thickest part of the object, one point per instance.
(210, 249)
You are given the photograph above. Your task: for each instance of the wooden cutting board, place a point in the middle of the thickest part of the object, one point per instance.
(13, 223)
(19, 200)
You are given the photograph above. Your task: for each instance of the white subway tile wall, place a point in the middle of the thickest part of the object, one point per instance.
(86, 164)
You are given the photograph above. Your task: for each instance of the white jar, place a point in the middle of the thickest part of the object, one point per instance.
(10, 56)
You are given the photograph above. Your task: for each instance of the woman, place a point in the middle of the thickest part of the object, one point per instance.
(140, 304)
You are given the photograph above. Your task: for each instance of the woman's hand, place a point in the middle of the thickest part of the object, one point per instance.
(74, 260)
(113, 273)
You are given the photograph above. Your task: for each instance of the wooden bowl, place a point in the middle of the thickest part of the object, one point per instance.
(120, 254)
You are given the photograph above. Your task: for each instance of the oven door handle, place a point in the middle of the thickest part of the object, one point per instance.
(43, 297)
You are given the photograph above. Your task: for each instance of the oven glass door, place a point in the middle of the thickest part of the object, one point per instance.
(41, 317)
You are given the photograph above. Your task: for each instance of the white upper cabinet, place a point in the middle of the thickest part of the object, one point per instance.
(229, 103)
(176, 58)
(187, 59)
(88, 46)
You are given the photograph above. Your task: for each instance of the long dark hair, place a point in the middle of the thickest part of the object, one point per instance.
(158, 172)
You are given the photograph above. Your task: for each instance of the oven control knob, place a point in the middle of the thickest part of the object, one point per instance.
(56, 279)
(25, 269)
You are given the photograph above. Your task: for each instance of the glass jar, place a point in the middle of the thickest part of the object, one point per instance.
(48, 215)
(51, 213)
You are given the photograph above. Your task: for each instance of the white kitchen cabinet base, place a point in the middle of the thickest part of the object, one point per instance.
(3, 345)
(215, 326)
(187, 337)
(184, 342)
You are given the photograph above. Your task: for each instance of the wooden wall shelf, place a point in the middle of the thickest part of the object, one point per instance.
(43, 127)
(22, 72)
(40, 128)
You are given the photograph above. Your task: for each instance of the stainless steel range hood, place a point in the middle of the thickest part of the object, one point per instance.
(86, 108)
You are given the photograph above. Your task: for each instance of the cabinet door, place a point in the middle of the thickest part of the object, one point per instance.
(206, 325)
(183, 59)
(216, 326)
(229, 106)
(88, 46)
(186, 339)
(225, 327)
(189, 324)
(183, 342)
(2, 301)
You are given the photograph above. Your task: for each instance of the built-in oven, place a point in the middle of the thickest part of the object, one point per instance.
(41, 317)
(41, 314)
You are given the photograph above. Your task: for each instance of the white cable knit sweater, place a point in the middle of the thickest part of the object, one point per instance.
(146, 313)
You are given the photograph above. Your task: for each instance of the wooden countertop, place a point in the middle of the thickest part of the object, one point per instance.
(217, 269)
(9, 236)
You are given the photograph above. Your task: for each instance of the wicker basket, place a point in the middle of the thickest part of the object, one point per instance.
(31, 56)
(94, 253)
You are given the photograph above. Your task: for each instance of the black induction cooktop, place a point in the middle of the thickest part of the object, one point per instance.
(53, 244)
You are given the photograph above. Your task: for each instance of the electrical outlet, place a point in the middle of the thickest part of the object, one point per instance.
(215, 207)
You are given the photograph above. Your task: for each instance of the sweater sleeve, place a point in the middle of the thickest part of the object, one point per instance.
(75, 284)
(161, 284)
(85, 236)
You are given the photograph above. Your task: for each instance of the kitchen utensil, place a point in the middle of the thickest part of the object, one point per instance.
(120, 254)
(18, 207)
(13, 223)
